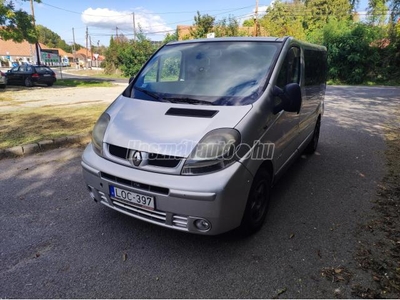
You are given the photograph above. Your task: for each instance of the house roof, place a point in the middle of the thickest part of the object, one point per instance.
(16, 49)
(24, 49)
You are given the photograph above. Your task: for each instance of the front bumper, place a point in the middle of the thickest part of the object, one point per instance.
(220, 197)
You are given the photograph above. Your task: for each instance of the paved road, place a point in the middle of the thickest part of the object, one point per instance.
(55, 242)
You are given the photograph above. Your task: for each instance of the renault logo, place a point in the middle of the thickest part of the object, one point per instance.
(135, 157)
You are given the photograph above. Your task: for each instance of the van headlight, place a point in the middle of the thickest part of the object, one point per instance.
(215, 151)
(98, 133)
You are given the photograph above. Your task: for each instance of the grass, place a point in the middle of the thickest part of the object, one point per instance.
(83, 83)
(21, 127)
(96, 73)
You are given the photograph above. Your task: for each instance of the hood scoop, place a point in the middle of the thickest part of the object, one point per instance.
(196, 113)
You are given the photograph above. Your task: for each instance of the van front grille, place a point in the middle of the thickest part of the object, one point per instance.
(165, 161)
(153, 159)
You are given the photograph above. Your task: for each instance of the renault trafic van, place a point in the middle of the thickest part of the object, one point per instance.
(202, 132)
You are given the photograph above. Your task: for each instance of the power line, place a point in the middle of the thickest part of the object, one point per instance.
(147, 13)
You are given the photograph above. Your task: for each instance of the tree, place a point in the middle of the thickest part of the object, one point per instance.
(111, 61)
(248, 23)
(351, 58)
(227, 27)
(171, 37)
(319, 12)
(15, 24)
(203, 24)
(128, 56)
(135, 54)
(285, 19)
(377, 10)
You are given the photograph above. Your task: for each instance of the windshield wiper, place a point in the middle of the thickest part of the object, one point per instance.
(188, 100)
(151, 94)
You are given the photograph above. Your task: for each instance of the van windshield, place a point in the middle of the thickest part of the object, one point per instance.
(210, 73)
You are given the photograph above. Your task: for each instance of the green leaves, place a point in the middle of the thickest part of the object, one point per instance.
(15, 24)
(128, 56)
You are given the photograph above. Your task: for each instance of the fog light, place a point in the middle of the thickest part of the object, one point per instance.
(202, 225)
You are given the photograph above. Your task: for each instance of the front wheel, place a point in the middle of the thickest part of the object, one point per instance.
(312, 146)
(28, 82)
(257, 203)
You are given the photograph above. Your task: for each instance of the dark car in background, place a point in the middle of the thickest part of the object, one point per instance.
(29, 75)
(3, 80)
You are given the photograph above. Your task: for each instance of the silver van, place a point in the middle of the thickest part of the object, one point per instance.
(203, 131)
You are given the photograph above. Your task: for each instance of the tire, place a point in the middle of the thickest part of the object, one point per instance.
(312, 146)
(28, 82)
(50, 84)
(2, 86)
(257, 203)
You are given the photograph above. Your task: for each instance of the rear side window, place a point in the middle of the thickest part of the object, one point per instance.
(315, 67)
(43, 70)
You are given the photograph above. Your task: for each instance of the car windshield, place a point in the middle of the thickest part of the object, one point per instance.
(207, 73)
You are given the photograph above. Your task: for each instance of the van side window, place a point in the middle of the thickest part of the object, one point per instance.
(315, 68)
(290, 71)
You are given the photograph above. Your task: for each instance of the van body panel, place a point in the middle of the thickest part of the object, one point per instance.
(168, 134)
(184, 197)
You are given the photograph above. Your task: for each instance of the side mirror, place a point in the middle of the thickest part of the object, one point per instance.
(131, 79)
(290, 96)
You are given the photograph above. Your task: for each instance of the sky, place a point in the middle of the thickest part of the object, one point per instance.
(155, 17)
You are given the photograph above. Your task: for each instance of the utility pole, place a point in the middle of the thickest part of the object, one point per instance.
(37, 43)
(116, 32)
(87, 36)
(134, 27)
(73, 46)
(256, 20)
(91, 51)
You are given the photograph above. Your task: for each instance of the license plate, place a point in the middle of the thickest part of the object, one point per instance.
(147, 202)
(47, 75)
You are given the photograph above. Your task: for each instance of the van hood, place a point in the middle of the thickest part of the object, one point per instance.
(166, 128)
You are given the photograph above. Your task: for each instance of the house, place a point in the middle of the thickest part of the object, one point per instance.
(17, 53)
(12, 52)
(84, 56)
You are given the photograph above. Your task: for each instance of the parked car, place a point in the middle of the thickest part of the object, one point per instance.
(200, 135)
(29, 75)
(3, 80)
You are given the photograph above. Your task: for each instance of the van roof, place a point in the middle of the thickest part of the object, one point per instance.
(232, 39)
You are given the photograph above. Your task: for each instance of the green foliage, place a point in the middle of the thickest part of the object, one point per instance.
(51, 39)
(171, 37)
(248, 23)
(351, 58)
(227, 27)
(15, 24)
(377, 10)
(320, 12)
(203, 24)
(285, 19)
(128, 56)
